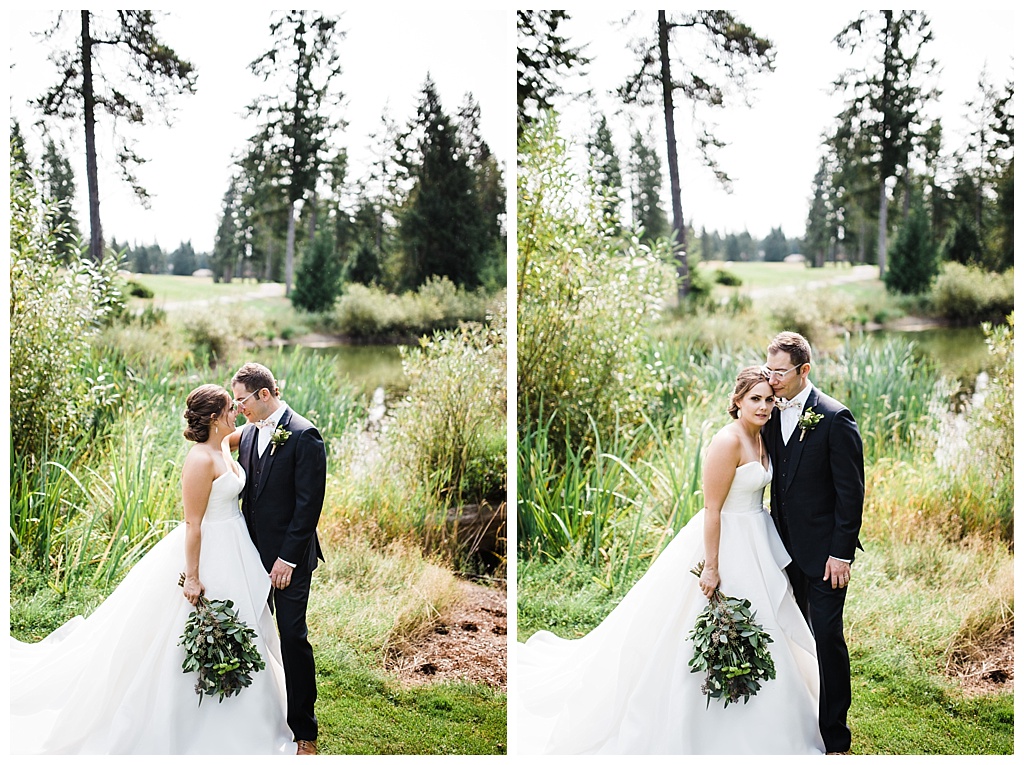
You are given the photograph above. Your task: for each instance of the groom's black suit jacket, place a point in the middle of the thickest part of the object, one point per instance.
(818, 485)
(284, 493)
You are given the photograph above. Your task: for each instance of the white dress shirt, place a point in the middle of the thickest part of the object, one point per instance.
(264, 434)
(789, 417)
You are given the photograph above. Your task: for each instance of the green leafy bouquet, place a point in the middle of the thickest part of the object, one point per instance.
(220, 647)
(730, 648)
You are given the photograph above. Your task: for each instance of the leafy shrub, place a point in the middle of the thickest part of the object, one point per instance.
(135, 289)
(217, 334)
(586, 300)
(449, 432)
(53, 312)
(370, 312)
(318, 280)
(814, 314)
(968, 294)
(728, 278)
(913, 260)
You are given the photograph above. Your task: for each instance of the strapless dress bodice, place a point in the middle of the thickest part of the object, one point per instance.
(746, 495)
(223, 502)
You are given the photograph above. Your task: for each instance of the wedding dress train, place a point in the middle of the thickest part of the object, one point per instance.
(626, 687)
(112, 683)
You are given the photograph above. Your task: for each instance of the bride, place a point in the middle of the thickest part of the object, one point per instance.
(626, 687)
(112, 683)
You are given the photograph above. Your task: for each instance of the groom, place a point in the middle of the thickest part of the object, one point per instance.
(817, 498)
(286, 467)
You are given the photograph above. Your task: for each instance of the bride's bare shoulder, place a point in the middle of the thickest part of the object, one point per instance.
(199, 462)
(726, 442)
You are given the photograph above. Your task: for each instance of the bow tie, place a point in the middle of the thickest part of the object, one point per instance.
(261, 424)
(783, 404)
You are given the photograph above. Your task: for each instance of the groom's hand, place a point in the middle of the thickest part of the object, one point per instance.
(280, 574)
(838, 571)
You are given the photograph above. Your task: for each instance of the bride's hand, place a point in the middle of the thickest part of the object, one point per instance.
(193, 589)
(709, 581)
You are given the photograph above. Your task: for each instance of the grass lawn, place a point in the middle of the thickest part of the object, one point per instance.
(761, 275)
(898, 619)
(167, 288)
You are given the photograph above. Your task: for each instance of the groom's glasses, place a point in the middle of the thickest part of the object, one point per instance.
(239, 401)
(776, 373)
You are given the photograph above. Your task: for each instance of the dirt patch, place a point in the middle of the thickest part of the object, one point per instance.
(988, 670)
(470, 643)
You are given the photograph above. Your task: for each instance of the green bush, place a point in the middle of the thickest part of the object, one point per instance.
(968, 294)
(371, 313)
(135, 289)
(449, 432)
(318, 279)
(728, 278)
(814, 314)
(587, 298)
(913, 260)
(54, 310)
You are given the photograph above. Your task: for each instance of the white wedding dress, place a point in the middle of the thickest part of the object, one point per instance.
(626, 687)
(112, 683)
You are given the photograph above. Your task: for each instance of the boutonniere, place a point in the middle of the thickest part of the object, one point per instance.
(808, 420)
(280, 436)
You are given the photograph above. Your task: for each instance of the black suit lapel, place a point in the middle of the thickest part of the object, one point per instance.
(796, 444)
(267, 460)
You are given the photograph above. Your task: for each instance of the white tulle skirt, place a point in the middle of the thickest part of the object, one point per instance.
(112, 683)
(626, 688)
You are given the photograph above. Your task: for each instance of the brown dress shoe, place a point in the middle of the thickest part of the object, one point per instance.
(306, 747)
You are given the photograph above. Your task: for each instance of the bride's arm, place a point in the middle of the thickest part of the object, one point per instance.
(719, 468)
(196, 482)
(232, 442)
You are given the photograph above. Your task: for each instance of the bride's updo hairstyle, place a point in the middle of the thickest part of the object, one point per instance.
(745, 380)
(204, 405)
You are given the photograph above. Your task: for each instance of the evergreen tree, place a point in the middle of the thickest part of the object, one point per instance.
(542, 57)
(645, 167)
(821, 227)
(183, 260)
(146, 70)
(912, 260)
(775, 246)
(729, 52)
(963, 243)
(299, 115)
(606, 170)
(318, 281)
(229, 242)
(59, 187)
(887, 97)
(20, 162)
(442, 228)
(489, 190)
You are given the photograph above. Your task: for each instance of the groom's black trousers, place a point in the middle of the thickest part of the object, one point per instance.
(823, 609)
(289, 606)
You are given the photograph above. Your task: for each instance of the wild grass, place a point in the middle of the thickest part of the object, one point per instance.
(376, 600)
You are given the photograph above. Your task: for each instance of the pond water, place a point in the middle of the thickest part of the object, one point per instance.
(959, 352)
(369, 366)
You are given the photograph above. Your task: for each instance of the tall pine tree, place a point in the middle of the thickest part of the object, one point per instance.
(645, 167)
(442, 228)
(147, 73)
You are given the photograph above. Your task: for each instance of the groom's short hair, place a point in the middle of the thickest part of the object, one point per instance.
(794, 344)
(256, 377)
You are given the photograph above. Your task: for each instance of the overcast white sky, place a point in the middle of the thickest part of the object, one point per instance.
(385, 56)
(774, 146)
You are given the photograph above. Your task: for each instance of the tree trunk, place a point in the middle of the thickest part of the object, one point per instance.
(312, 216)
(289, 251)
(883, 222)
(682, 269)
(95, 229)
